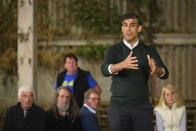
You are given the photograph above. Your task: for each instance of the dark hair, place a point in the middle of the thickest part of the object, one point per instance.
(70, 55)
(131, 16)
(73, 109)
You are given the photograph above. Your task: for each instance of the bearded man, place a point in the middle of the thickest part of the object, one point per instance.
(64, 113)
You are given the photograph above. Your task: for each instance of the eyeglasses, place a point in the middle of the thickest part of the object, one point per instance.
(95, 99)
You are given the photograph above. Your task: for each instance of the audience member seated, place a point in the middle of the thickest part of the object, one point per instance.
(88, 111)
(170, 112)
(25, 116)
(64, 113)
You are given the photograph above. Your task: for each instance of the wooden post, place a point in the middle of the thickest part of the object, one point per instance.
(27, 43)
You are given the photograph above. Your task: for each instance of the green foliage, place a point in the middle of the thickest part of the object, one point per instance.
(8, 26)
(96, 16)
(8, 37)
(50, 59)
(8, 60)
(92, 51)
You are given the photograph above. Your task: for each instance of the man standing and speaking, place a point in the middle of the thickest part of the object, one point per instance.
(130, 62)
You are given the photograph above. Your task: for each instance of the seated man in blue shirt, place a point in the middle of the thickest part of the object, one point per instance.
(76, 79)
(88, 111)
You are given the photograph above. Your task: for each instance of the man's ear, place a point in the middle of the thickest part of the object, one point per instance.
(64, 66)
(139, 28)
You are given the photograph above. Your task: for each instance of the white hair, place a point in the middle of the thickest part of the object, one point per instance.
(25, 89)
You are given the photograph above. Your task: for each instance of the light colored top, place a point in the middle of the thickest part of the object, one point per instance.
(173, 119)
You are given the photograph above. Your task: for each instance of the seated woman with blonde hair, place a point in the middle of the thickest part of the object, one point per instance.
(170, 112)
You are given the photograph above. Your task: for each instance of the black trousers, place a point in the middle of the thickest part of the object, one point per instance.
(131, 119)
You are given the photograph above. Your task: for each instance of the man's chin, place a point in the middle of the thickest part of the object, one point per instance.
(26, 107)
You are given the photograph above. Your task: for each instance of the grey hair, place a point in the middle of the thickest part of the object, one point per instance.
(89, 92)
(25, 88)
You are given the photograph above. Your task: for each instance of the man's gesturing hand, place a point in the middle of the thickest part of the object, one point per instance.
(130, 62)
(152, 65)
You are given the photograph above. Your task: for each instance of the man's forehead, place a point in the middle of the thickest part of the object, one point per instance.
(94, 95)
(70, 59)
(64, 92)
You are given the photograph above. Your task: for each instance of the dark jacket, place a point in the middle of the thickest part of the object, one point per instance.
(89, 120)
(80, 84)
(61, 123)
(15, 120)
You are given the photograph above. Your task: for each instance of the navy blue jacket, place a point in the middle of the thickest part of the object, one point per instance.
(89, 120)
(15, 120)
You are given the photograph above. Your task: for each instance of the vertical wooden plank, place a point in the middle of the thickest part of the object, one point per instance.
(169, 13)
(69, 17)
(193, 16)
(175, 16)
(170, 63)
(49, 11)
(180, 18)
(180, 65)
(164, 11)
(1, 5)
(58, 12)
(63, 14)
(177, 67)
(58, 15)
(183, 71)
(193, 75)
(8, 2)
(52, 13)
(118, 6)
(190, 15)
(183, 27)
(4, 3)
(173, 65)
(124, 6)
(189, 71)
(111, 3)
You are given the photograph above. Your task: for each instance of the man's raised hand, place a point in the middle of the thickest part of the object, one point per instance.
(130, 62)
(152, 65)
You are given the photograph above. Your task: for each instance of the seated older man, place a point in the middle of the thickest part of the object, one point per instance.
(25, 115)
